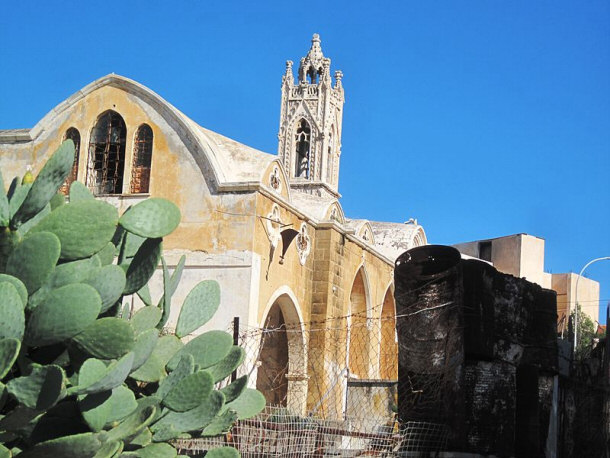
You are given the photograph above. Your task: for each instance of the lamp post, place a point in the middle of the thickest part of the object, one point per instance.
(576, 297)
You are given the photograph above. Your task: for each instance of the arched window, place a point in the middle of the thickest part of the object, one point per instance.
(329, 156)
(302, 139)
(107, 154)
(74, 135)
(142, 157)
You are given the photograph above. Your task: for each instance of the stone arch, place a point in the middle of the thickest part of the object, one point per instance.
(359, 326)
(282, 374)
(388, 342)
(106, 162)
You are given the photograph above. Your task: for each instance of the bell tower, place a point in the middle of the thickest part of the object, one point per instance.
(310, 124)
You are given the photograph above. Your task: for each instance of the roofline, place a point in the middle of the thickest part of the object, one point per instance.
(174, 117)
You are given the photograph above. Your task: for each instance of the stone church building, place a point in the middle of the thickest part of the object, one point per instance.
(269, 228)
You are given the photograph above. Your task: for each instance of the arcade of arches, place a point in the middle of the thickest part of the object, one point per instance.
(359, 345)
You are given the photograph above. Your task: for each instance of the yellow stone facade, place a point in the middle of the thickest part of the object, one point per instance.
(239, 209)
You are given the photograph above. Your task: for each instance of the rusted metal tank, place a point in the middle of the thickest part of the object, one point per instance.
(428, 293)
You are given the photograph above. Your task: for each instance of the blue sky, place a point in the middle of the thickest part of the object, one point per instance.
(478, 118)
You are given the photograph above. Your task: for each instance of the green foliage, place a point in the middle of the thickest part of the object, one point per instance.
(199, 306)
(79, 376)
(586, 334)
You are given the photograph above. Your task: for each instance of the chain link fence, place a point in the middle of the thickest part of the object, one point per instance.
(331, 389)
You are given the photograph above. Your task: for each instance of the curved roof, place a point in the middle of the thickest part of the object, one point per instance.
(393, 239)
(228, 162)
(315, 206)
(360, 227)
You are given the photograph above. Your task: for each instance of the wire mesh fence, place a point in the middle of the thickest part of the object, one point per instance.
(277, 433)
(331, 390)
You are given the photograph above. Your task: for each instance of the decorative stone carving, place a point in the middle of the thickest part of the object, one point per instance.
(274, 179)
(274, 224)
(366, 236)
(303, 243)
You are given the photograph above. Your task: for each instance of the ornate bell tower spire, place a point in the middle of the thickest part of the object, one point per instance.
(310, 124)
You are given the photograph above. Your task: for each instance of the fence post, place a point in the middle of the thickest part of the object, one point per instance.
(235, 342)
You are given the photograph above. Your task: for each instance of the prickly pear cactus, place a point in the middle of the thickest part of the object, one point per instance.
(80, 376)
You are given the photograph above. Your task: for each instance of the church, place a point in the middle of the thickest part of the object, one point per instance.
(268, 227)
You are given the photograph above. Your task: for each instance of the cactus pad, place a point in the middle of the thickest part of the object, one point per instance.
(248, 404)
(39, 390)
(144, 346)
(199, 306)
(235, 388)
(185, 367)
(228, 364)
(157, 451)
(154, 368)
(83, 445)
(133, 424)
(146, 318)
(9, 350)
(83, 227)
(72, 272)
(189, 392)
(98, 409)
(143, 265)
(57, 201)
(106, 338)
(79, 191)
(151, 218)
(21, 289)
(12, 317)
(33, 260)
(5, 215)
(47, 183)
(65, 312)
(17, 197)
(222, 452)
(109, 281)
(93, 378)
(110, 449)
(207, 349)
(193, 419)
(106, 255)
(220, 424)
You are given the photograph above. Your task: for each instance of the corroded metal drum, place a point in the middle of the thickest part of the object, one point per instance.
(428, 293)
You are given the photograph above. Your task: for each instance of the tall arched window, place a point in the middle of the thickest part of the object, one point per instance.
(329, 155)
(142, 157)
(107, 154)
(302, 140)
(74, 135)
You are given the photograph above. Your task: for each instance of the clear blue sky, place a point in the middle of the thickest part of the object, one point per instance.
(478, 118)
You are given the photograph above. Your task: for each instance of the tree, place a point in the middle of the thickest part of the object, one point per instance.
(586, 333)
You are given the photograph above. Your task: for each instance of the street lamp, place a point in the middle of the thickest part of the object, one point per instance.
(576, 297)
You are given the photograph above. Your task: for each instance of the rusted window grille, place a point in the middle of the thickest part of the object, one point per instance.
(142, 157)
(302, 150)
(107, 154)
(73, 135)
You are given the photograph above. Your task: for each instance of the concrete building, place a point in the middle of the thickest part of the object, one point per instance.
(269, 228)
(522, 255)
